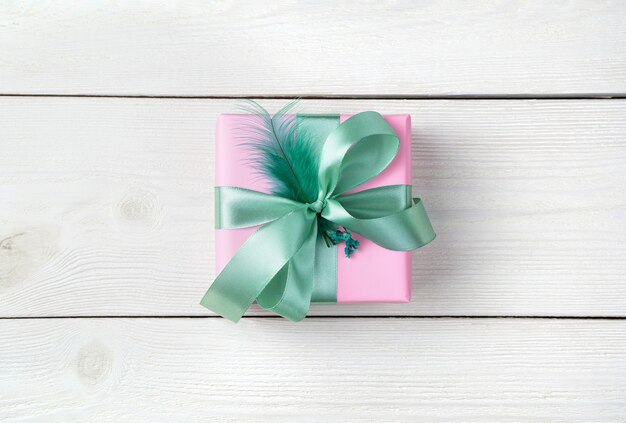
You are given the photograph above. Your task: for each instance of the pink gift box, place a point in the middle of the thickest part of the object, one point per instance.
(371, 274)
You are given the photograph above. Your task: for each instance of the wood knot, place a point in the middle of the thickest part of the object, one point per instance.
(93, 364)
(25, 253)
(140, 209)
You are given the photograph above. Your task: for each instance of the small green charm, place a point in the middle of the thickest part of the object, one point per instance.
(338, 236)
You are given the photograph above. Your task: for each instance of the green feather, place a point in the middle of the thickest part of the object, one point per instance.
(282, 152)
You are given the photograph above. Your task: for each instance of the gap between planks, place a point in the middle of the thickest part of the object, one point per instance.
(577, 96)
(338, 316)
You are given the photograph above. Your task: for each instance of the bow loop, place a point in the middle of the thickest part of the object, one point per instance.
(355, 152)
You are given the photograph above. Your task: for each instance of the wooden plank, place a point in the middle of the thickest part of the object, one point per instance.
(108, 209)
(402, 48)
(348, 370)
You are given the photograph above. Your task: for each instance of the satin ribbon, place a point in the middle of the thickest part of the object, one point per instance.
(275, 266)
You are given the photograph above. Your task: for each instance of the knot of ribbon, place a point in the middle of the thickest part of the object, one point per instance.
(317, 206)
(276, 265)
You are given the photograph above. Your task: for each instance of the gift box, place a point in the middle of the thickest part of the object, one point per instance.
(371, 274)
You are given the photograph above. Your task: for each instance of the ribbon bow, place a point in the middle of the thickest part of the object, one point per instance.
(275, 266)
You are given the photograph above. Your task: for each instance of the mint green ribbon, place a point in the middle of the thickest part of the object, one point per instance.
(276, 265)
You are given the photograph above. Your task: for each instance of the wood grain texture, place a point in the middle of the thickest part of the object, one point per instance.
(323, 370)
(388, 48)
(108, 207)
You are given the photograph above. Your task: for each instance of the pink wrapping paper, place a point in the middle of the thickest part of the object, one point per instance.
(372, 274)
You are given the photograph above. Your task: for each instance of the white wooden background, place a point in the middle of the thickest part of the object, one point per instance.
(107, 112)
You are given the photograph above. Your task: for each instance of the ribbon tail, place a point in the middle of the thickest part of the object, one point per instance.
(404, 230)
(289, 293)
(251, 269)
